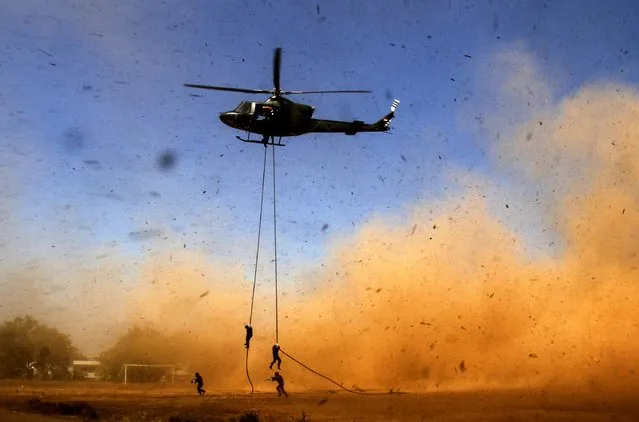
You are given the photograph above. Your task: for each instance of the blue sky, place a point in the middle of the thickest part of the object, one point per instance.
(92, 95)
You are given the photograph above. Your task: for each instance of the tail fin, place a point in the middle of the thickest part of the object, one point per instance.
(394, 105)
(384, 122)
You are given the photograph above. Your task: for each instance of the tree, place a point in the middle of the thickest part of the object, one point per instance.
(29, 348)
(142, 345)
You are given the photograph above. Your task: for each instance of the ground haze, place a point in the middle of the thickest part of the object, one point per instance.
(145, 402)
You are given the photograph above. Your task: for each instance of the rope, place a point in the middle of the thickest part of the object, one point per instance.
(247, 372)
(257, 256)
(277, 325)
(328, 379)
(259, 234)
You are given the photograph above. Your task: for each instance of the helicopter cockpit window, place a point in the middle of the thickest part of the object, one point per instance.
(244, 107)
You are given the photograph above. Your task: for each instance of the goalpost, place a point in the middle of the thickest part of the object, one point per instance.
(127, 365)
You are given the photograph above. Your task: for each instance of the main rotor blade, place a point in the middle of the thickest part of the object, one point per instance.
(277, 64)
(350, 91)
(224, 88)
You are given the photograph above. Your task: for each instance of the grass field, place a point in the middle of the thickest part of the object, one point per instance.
(50, 401)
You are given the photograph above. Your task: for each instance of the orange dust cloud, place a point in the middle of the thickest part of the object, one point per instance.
(450, 299)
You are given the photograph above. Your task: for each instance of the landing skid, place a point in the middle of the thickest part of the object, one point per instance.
(265, 142)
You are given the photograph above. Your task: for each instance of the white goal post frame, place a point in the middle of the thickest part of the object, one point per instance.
(126, 367)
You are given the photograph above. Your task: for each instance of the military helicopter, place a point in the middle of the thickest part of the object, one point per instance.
(278, 116)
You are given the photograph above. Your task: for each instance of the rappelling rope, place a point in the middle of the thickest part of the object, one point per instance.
(277, 321)
(334, 382)
(247, 372)
(277, 335)
(257, 256)
(259, 234)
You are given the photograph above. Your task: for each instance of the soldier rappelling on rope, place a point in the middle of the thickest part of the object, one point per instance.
(276, 357)
(249, 334)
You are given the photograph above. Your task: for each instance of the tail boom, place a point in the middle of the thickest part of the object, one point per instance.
(356, 126)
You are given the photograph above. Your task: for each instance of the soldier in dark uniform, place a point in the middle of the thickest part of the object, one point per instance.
(280, 384)
(276, 357)
(200, 383)
(249, 334)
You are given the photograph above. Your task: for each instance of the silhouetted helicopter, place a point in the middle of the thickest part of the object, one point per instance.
(279, 116)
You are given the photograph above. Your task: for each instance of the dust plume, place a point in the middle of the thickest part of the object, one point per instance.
(448, 299)
(404, 306)
(204, 304)
(451, 299)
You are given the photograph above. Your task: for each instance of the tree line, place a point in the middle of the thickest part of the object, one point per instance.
(30, 349)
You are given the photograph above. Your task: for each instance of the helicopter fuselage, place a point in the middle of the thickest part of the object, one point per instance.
(280, 117)
(273, 117)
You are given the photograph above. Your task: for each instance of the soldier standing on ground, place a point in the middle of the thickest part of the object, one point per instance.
(280, 384)
(200, 383)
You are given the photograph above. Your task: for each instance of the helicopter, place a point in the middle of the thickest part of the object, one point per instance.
(278, 117)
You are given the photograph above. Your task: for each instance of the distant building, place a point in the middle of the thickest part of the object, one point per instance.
(86, 370)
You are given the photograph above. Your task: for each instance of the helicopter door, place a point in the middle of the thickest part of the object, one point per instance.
(261, 111)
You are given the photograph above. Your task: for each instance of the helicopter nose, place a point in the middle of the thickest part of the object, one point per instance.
(228, 118)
